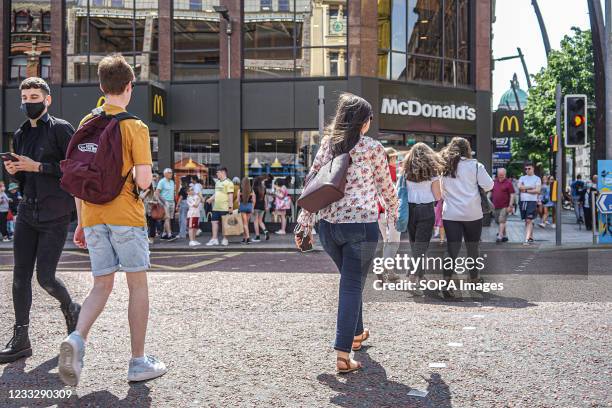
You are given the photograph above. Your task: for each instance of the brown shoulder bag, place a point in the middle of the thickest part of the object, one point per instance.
(326, 186)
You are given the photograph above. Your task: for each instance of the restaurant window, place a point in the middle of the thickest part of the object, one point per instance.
(424, 41)
(266, 5)
(285, 155)
(29, 40)
(296, 39)
(96, 28)
(196, 154)
(196, 40)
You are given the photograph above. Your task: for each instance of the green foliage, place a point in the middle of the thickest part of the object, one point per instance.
(572, 67)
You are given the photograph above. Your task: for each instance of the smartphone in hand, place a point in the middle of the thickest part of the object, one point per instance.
(8, 157)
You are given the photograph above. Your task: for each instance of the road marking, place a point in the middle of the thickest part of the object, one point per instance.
(437, 365)
(455, 344)
(469, 328)
(478, 316)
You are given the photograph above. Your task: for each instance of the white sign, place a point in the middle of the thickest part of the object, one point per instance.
(416, 108)
(604, 203)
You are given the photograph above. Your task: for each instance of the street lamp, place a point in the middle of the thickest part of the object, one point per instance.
(224, 12)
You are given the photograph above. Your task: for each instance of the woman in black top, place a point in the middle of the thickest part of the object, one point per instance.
(259, 188)
(183, 208)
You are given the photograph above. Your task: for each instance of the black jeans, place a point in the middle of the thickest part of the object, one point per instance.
(352, 248)
(41, 243)
(420, 229)
(3, 224)
(456, 231)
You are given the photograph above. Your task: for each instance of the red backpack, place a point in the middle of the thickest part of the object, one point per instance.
(93, 167)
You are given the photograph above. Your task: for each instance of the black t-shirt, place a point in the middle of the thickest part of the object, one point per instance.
(183, 193)
(30, 147)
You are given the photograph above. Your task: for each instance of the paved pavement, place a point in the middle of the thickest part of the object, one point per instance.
(255, 330)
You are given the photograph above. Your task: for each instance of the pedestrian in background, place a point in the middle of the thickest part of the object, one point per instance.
(4, 210)
(45, 212)
(421, 169)
(577, 190)
(349, 226)
(14, 200)
(259, 189)
(502, 196)
(282, 203)
(590, 188)
(529, 187)
(245, 208)
(547, 202)
(183, 207)
(222, 203)
(193, 202)
(165, 191)
(462, 212)
(103, 229)
(390, 235)
(439, 225)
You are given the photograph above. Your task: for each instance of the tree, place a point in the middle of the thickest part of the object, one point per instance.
(572, 67)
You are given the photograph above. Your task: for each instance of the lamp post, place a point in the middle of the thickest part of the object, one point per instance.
(224, 12)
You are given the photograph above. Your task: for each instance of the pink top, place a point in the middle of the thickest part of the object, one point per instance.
(367, 182)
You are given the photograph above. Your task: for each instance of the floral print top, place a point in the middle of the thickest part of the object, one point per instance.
(367, 182)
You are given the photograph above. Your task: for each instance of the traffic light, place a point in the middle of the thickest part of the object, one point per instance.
(575, 120)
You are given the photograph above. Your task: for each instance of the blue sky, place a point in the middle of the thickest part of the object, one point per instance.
(517, 26)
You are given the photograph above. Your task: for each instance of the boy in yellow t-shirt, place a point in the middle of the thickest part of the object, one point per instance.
(116, 237)
(223, 203)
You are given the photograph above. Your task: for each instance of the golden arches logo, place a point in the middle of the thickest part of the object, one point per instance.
(158, 105)
(509, 121)
(101, 101)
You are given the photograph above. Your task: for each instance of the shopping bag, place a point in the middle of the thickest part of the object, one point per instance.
(232, 224)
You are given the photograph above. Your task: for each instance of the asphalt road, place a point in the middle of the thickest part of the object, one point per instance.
(255, 329)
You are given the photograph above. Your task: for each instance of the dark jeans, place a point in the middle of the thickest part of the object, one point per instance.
(41, 243)
(588, 219)
(456, 231)
(420, 229)
(352, 248)
(3, 224)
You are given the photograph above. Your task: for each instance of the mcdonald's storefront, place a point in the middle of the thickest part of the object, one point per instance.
(256, 128)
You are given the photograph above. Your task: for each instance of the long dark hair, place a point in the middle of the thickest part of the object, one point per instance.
(245, 189)
(259, 187)
(352, 112)
(452, 154)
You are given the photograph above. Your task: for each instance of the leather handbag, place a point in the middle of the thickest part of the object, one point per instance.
(158, 212)
(327, 185)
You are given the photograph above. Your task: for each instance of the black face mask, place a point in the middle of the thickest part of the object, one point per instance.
(33, 109)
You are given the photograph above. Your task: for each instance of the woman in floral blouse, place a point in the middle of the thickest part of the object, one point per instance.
(348, 227)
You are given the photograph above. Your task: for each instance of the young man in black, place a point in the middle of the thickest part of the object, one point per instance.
(44, 213)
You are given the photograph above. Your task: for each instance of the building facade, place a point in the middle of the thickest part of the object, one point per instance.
(244, 93)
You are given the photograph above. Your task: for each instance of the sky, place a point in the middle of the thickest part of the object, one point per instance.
(517, 26)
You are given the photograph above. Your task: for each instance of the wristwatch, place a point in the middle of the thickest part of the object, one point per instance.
(40, 167)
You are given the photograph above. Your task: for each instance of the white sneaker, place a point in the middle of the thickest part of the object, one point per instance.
(70, 363)
(224, 242)
(280, 232)
(199, 233)
(145, 368)
(212, 242)
(194, 243)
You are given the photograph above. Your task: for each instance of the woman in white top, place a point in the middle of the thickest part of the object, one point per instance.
(462, 210)
(421, 169)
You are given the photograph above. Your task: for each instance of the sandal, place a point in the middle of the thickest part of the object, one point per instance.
(347, 363)
(362, 337)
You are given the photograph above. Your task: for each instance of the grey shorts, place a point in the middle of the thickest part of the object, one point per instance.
(113, 247)
(501, 215)
(170, 208)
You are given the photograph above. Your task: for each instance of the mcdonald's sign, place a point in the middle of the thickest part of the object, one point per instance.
(158, 104)
(507, 123)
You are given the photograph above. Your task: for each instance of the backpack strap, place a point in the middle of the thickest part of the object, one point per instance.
(125, 116)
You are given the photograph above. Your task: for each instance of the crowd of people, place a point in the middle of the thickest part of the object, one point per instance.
(187, 208)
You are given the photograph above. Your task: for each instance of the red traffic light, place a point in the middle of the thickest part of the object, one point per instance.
(578, 120)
